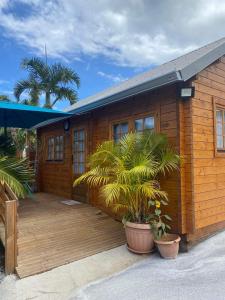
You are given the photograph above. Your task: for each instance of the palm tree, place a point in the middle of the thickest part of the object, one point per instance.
(54, 81)
(128, 173)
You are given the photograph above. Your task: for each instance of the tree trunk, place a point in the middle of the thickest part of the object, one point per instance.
(47, 100)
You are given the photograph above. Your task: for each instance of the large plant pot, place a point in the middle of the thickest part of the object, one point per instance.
(168, 245)
(139, 237)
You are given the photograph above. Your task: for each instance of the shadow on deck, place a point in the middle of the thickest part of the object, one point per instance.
(52, 234)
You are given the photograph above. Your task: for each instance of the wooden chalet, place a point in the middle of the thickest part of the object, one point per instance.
(184, 98)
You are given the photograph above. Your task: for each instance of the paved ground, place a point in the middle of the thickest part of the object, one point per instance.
(1, 262)
(58, 283)
(197, 275)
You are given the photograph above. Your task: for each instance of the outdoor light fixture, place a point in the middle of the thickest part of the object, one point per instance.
(187, 92)
(66, 125)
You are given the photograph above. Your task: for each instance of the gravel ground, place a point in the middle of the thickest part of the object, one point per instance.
(197, 275)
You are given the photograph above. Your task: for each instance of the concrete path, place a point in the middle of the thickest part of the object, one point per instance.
(58, 283)
(197, 275)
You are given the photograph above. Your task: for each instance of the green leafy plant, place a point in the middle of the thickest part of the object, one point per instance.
(127, 173)
(7, 146)
(158, 221)
(17, 174)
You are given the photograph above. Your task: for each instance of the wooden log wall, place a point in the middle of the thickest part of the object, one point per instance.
(208, 167)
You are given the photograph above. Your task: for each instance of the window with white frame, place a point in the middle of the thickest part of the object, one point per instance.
(220, 129)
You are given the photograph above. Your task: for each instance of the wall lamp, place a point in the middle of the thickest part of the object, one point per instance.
(187, 92)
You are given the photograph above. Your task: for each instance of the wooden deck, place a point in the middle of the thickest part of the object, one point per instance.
(52, 234)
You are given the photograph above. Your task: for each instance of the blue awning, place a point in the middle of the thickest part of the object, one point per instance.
(26, 116)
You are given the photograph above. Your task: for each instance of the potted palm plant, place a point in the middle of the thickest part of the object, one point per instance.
(127, 174)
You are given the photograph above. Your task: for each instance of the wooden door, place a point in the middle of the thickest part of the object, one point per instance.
(79, 160)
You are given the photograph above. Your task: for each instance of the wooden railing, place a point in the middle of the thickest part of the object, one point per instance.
(8, 226)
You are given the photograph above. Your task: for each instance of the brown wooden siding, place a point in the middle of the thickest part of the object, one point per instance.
(54, 177)
(162, 103)
(208, 168)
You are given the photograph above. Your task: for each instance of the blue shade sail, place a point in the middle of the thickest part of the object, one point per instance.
(26, 116)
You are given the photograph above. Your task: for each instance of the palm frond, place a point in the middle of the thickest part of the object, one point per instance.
(17, 174)
(62, 74)
(127, 172)
(65, 93)
(37, 68)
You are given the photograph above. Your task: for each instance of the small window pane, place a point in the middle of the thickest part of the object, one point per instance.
(219, 142)
(124, 128)
(119, 130)
(79, 151)
(149, 123)
(59, 147)
(50, 155)
(219, 116)
(116, 129)
(139, 124)
(81, 135)
(219, 129)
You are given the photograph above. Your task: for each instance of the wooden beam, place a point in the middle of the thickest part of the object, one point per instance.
(10, 236)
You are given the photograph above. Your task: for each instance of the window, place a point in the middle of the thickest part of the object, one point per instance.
(51, 149)
(79, 156)
(55, 148)
(119, 130)
(220, 128)
(59, 147)
(147, 123)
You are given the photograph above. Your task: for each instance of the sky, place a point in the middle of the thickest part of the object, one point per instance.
(104, 41)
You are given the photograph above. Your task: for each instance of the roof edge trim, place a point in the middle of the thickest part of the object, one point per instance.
(166, 79)
(202, 63)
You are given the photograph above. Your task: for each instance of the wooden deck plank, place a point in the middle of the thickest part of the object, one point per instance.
(52, 234)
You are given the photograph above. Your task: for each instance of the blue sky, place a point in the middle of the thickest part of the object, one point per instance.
(104, 41)
(96, 73)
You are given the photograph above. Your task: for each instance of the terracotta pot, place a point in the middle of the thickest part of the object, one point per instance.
(139, 237)
(168, 245)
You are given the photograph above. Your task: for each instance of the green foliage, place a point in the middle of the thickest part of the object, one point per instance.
(4, 98)
(17, 174)
(23, 137)
(128, 172)
(7, 146)
(54, 81)
(158, 220)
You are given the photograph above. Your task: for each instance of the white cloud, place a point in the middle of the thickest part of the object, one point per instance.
(115, 78)
(3, 82)
(7, 92)
(127, 33)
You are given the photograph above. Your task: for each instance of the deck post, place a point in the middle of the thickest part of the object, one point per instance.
(10, 236)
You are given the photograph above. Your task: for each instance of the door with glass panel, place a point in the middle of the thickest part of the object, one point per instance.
(79, 162)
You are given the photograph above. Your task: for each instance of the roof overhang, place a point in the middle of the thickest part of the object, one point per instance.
(152, 84)
(202, 63)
